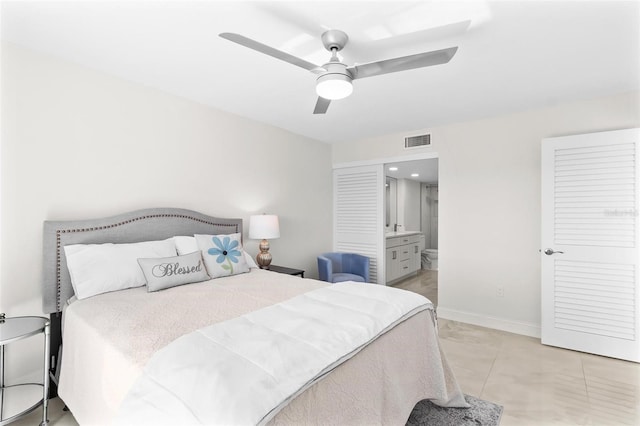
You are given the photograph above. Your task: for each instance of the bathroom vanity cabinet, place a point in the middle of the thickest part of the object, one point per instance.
(402, 255)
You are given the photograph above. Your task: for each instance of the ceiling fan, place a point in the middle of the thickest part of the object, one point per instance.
(334, 78)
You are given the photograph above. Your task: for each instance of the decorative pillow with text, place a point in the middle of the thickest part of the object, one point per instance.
(166, 272)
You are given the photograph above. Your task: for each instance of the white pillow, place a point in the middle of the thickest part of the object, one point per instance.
(250, 261)
(101, 268)
(186, 245)
(222, 254)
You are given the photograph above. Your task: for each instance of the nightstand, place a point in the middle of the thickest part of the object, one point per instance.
(285, 270)
(12, 408)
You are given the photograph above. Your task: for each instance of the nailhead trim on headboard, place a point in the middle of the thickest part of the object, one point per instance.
(115, 225)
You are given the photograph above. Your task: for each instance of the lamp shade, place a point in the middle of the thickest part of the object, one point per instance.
(264, 227)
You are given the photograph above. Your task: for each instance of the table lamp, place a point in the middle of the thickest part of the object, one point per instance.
(263, 227)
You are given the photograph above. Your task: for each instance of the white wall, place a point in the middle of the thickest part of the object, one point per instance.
(489, 200)
(77, 143)
(409, 205)
(429, 221)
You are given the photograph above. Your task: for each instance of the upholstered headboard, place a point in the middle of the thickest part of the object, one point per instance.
(141, 225)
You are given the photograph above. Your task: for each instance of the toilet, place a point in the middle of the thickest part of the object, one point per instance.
(430, 259)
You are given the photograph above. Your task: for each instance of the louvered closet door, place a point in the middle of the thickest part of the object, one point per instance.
(590, 232)
(358, 209)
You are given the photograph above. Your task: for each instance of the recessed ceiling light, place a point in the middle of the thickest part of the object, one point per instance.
(393, 169)
(414, 175)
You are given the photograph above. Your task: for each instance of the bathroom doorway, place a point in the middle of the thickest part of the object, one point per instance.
(412, 205)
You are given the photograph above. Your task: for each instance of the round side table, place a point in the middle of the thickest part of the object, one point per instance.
(14, 398)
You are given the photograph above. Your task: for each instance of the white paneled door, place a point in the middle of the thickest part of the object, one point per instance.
(358, 215)
(590, 238)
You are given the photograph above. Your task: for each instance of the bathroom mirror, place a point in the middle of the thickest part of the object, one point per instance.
(391, 203)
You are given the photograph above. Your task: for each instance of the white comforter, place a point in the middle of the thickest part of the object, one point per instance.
(108, 340)
(243, 371)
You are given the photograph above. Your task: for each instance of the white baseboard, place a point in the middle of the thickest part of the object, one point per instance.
(526, 329)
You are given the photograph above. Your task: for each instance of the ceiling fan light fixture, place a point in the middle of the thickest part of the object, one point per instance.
(334, 86)
(335, 77)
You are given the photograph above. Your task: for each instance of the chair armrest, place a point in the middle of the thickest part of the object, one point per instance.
(361, 266)
(325, 269)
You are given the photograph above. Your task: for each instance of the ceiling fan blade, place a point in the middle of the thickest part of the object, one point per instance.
(267, 50)
(321, 105)
(403, 63)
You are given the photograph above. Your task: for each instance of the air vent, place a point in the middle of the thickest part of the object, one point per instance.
(417, 141)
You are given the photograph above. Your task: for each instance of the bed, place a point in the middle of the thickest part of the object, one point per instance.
(109, 341)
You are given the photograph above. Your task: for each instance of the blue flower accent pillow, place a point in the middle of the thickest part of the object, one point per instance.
(222, 254)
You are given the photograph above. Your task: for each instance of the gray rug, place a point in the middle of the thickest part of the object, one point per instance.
(481, 413)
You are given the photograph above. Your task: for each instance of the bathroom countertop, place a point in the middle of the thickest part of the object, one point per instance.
(400, 233)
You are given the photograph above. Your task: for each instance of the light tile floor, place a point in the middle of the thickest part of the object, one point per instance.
(536, 384)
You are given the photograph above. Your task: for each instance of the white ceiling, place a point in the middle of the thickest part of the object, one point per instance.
(512, 56)
(427, 170)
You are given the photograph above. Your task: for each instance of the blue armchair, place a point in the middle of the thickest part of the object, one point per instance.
(337, 267)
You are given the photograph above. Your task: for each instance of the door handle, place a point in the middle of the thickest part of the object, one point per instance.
(549, 252)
